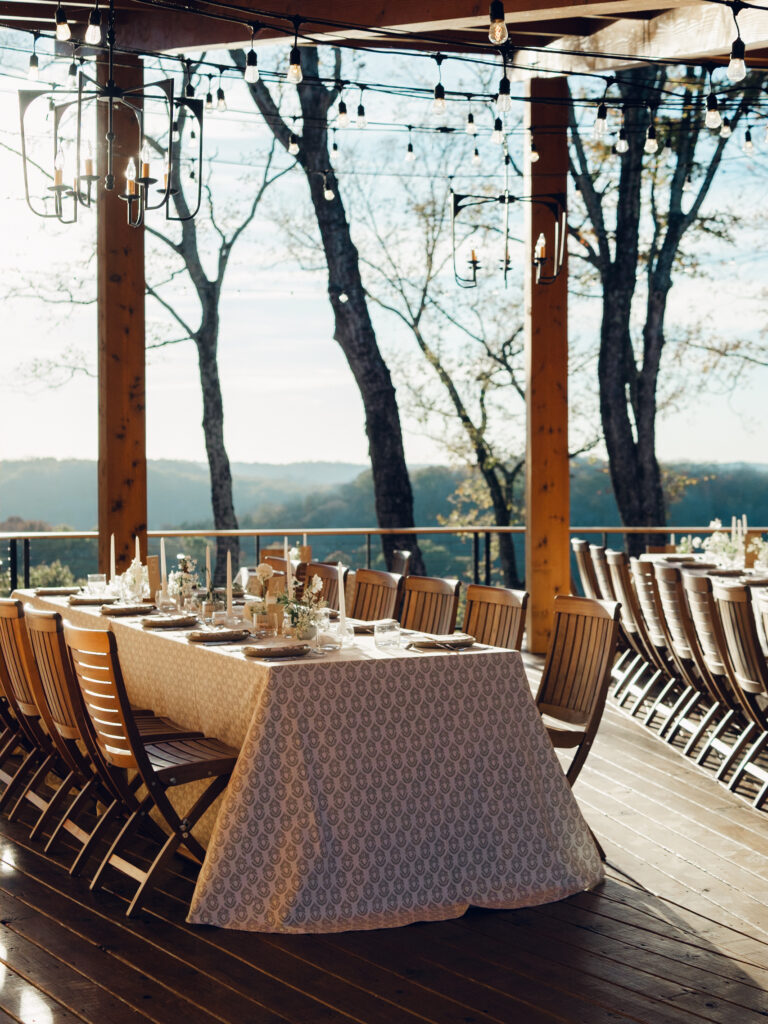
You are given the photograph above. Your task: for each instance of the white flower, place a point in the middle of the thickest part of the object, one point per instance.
(294, 554)
(264, 572)
(697, 542)
(316, 585)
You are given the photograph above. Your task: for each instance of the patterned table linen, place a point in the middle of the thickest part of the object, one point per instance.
(372, 790)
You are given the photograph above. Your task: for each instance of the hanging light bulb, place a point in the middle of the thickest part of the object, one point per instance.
(737, 69)
(622, 146)
(294, 74)
(209, 94)
(328, 193)
(362, 120)
(175, 133)
(600, 127)
(334, 147)
(503, 100)
(63, 31)
(33, 72)
(72, 74)
(713, 120)
(221, 99)
(93, 32)
(534, 154)
(725, 129)
(438, 103)
(251, 73)
(749, 146)
(651, 145)
(58, 167)
(293, 144)
(470, 128)
(476, 157)
(342, 117)
(497, 31)
(410, 156)
(497, 135)
(688, 184)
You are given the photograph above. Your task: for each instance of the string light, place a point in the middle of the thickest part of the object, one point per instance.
(497, 31)
(534, 153)
(497, 135)
(600, 127)
(33, 71)
(293, 144)
(175, 133)
(294, 74)
(476, 157)
(334, 147)
(63, 31)
(328, 193)
(749, 146)
(410, 156)
(688, 184)
(622, 146)
(209, 94)
(72, 73)
(221, 99)
(651, 144)
(737, 69)
(470, 128)
(342, 117)
(362, 120)
(504, 100)
(93, 32)
(725, 129)
(438, 103)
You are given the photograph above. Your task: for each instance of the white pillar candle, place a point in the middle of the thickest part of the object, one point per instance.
(288, 572)
(304, 540)
(733, 529)
(342, 603)
(112, 569)
(138, 550)
(229, 585)
(744, 524)
(163, 574)
(208, 568)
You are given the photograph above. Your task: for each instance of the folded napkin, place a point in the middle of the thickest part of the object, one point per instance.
(169, 621)
(441, 641)
(56, 591)
(277, 650)
(127, 609)
(217, 636)
(90, 599)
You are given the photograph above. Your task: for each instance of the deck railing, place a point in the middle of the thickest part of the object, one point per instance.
(481, 535)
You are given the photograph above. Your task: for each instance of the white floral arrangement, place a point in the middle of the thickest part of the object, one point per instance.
(258, 583)
(759, 548)
(294, 554)
(134, 583)
(301, 612)
(184, 581)
(688, 545)
(721, 546)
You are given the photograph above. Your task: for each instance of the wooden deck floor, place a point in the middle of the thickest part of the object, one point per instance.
(678, 933)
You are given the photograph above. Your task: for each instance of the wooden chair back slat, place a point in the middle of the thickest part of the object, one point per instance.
(376, 594)
(430, 604)
(495, 615)
(586, 568)
(742, 643)
(18, 658)
(329, 574)
(648, 599)
(46, 638)
(602, 575)
(706, 622)
(94, 657)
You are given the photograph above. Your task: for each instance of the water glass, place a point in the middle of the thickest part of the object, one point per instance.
(97, 583)
(386, 634)
(164, 602)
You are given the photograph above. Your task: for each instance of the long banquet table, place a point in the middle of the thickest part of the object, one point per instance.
(372, 789)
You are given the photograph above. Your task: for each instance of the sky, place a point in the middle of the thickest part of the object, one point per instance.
(288, 393)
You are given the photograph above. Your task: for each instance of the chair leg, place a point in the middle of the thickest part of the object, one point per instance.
(662, 696)
(156, 867)
(730, 759)
(29, 763)
(674, 723)
(29, 793)
(54, 805)
(721, 727)
(754, 750)
(111, 814)
(71, 813)
(704, 724)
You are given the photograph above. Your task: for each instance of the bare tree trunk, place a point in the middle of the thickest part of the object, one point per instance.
(354, 331)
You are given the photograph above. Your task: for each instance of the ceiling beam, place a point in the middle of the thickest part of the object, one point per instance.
(694, 33)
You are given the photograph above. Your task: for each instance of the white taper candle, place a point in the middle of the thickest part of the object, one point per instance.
(229, 585)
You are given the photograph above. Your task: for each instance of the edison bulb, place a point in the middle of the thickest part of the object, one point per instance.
(476, 157)
(362, 120)
(651, 145)
(503, 100)
(410, 156)
(294, 74)
(737, 69)
(622, 146)
(725, 129)
(497, 136)
(497, 30)
(93, 32)
(293, 145)
(33, 72)
(713, 120)
(470, 128)
(251, 73)
(600, 126)
(342, 118)
(221, 100)
(63, 31)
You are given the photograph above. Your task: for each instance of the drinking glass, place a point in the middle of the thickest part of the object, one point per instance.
(386, 634)
(164, 602)
(97, 583)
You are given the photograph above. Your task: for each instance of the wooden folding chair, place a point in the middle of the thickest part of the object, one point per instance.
(329, 574)
(160, 765)
(586, 568)
(749, 672)
(495, 615)
(577, 672)
(430, 604)
(376, 594)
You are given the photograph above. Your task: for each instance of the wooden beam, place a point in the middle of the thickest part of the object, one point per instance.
(547, 543)
(692, 33)
(122, 497)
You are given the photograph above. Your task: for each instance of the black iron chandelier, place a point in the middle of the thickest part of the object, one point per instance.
(68, 119)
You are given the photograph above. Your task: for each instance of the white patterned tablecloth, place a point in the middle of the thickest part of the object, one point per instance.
(372, 790)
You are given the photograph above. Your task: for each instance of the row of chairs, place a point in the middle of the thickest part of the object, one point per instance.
(694, 659)
(89, 766)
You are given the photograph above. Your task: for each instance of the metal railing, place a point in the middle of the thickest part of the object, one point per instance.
(479, 534)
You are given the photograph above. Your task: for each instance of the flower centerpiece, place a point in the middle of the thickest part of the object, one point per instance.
(688, 545)
(722, 546)
(183, 582)
(759, 548)
(257, 588)
(301, 612)
(134, 582)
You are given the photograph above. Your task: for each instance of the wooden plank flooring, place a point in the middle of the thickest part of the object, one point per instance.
(677, 934)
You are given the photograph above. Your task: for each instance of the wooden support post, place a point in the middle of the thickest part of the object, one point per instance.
(547, 547)
(122, 429)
